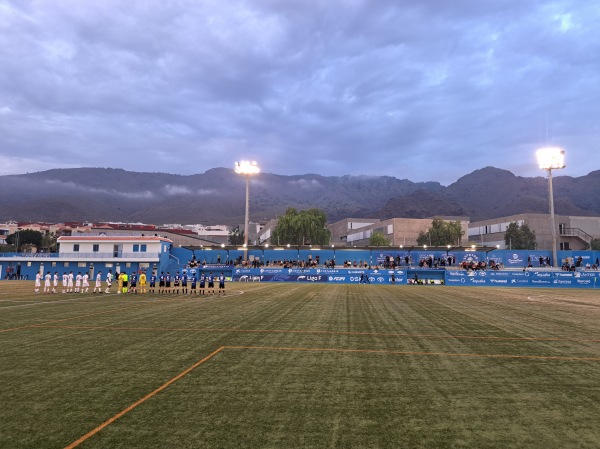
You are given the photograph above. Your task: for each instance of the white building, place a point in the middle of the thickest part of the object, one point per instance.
(100, 248)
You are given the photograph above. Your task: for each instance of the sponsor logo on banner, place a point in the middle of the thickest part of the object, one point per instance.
(499, 281)
(584, 281)
(519, 281)
(337, 278)
(499, 274)
(471, 257)
(456, 280)
(562, 281)
(328, 271)
(539, 281)
(310, 278)
(455, 273)
(521, 274)
(542, 275)
(477, 281)
(563, 275)
(585, 275)
(277, 278)
(514, 259)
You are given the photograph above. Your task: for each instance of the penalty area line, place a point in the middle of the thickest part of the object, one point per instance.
(439, 354)
(142, 400)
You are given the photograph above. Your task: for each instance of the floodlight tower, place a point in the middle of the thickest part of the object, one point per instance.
(246, 168)
(551, 158)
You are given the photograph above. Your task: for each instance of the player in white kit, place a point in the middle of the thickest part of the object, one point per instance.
(70, 282)
(109, 279)
(55, 282)
(78, 282)
(38, 281)
(98, 285)
(47, 280)
(65, 282)
(85, 283)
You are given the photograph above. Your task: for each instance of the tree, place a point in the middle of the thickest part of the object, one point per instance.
(595, 245)
(49, 243)
(236, 237)
(378, 239)
(25, 237)
(441, 233)
(519, 237)
(301, 228)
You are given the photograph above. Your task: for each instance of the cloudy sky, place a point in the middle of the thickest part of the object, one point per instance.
(423, 90)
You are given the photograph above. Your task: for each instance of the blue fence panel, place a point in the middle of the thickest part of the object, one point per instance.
(320, 275)
(555, 279)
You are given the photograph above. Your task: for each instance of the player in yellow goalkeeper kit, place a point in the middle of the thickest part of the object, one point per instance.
(143, 282)
(125, 282)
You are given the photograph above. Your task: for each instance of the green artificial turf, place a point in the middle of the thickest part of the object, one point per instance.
(302, 366)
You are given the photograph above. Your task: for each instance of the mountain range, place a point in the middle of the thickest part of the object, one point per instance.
(218, 196)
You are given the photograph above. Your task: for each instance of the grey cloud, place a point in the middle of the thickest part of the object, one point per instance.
(418, 90)
(146, 194)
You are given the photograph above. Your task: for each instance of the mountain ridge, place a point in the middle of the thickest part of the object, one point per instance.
(218, 196)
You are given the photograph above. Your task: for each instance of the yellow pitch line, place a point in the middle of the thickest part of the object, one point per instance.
(317, 332)
(140, 401)
(447, 354)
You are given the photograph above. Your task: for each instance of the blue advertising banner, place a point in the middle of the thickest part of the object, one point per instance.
(320, 275)
(492, 278)
(559, 279)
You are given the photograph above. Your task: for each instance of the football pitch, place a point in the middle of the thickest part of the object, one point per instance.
(301, 366)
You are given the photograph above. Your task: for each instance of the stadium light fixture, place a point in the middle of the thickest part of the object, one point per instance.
(246, 168)
(551, 158)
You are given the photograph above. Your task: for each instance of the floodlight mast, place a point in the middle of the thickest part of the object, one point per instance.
(246, 168)
(551, 158)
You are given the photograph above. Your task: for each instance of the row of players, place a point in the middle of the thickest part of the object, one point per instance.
(129, 283)
(172, 284)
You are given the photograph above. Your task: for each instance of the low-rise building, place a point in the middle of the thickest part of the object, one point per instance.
(572, 232)
(90, 253)
(399, 231)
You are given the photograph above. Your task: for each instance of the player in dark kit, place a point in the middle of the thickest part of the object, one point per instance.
(184, 282)
(202, 283)
(161, 282)
(221, 283)
(211, 283)
(168, 283)
(152, 288)
(133, 283)
(176, 282)
(193, 281)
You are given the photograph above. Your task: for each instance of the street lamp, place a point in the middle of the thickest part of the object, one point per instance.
(551, 158)
(246, 168)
